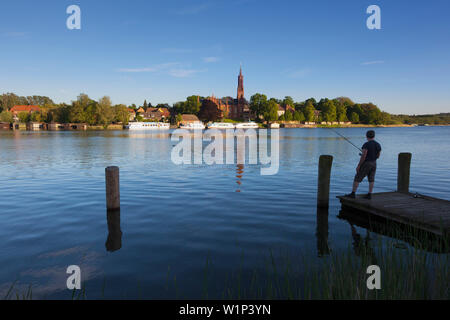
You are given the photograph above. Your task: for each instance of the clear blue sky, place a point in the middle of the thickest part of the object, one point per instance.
(165, 50)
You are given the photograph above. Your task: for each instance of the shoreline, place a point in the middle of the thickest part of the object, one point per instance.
(264, 126)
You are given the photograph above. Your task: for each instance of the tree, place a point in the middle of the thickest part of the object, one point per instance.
(9, 100)
(258, 104)
(104, 112)
(299, 116)
(35, 117)
(341, 113)
(178, 107)
(6, 116)
(24, 117)
(288, 101)
(288, 116)
(354, 117)
(328, 110)
(192, 105)
(309, 112)
(209, 111)
(77, 110)
(145, 105)
(272, 111)
(121, 114)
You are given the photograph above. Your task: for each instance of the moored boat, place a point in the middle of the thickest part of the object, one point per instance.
(193, 126)
(247, 125)
(221, 125)
(148, 126)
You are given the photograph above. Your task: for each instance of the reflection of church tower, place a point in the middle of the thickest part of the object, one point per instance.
(240, 89)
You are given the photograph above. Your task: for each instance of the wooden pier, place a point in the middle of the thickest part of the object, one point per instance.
(422, 212)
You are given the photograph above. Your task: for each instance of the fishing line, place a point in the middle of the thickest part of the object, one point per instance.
(346, 139)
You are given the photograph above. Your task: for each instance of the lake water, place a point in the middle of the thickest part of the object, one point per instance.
(176, 219)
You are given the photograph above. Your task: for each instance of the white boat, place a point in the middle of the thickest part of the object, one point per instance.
(148, 126)
(221, 125)
(247, 125)
(193, 125)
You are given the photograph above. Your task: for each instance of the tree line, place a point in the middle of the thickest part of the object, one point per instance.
(82, 110)
(340, 109)
(103, 112)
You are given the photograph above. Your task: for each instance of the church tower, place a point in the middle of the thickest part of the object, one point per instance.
(240, 89)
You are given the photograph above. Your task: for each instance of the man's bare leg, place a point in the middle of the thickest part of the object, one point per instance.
(355, 186)
(371, 184)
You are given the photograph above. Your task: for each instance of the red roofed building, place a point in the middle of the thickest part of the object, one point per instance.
(28, 109)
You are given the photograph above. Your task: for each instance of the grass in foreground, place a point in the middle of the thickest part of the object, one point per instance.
(406, 273)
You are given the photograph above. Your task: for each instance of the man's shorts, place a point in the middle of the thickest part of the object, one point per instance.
(367, 169)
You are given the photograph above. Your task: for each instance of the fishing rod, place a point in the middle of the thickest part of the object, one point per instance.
(346, 139)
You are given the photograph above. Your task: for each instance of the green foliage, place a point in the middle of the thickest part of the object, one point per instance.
(259, 104)
(288, 101)
(104, 111)
(437, 119)
(299, 116)
(121, 114)
(272, 111)
(86, 110)
(309, 112)
(328, 109)
(6, 116)
(9, 100)
(35, 117)
(24, 117)
(354, 117)
(288, 116)
(190, 106)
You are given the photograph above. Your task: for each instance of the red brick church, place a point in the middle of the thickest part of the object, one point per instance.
(236, 109)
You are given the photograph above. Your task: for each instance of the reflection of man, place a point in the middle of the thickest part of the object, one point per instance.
(367, 165)
(362, 246)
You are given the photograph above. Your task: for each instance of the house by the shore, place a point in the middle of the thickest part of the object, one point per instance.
(188, 118)
(28, 109)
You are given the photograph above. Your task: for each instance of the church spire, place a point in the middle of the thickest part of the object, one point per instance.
(240, 89)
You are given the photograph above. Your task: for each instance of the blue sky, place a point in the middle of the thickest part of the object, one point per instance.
(163, 51)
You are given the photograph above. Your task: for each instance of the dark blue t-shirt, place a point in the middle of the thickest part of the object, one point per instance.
(373, 148)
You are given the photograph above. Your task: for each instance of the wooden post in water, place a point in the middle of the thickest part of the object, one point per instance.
(112, 188)
(404, 166)
(323, 186)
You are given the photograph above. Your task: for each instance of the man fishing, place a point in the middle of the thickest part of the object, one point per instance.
(367, 165)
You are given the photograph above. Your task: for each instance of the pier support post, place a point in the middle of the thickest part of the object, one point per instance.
(323, 186)
(112, 188)
(404, 166)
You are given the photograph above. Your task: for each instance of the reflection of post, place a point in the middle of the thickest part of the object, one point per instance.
(239, 174)
(114, 241)
(322, 232)
(240, 159)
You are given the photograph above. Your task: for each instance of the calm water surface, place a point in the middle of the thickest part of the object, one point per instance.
(176, 219)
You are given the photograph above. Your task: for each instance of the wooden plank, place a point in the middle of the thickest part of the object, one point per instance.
(428, 213)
